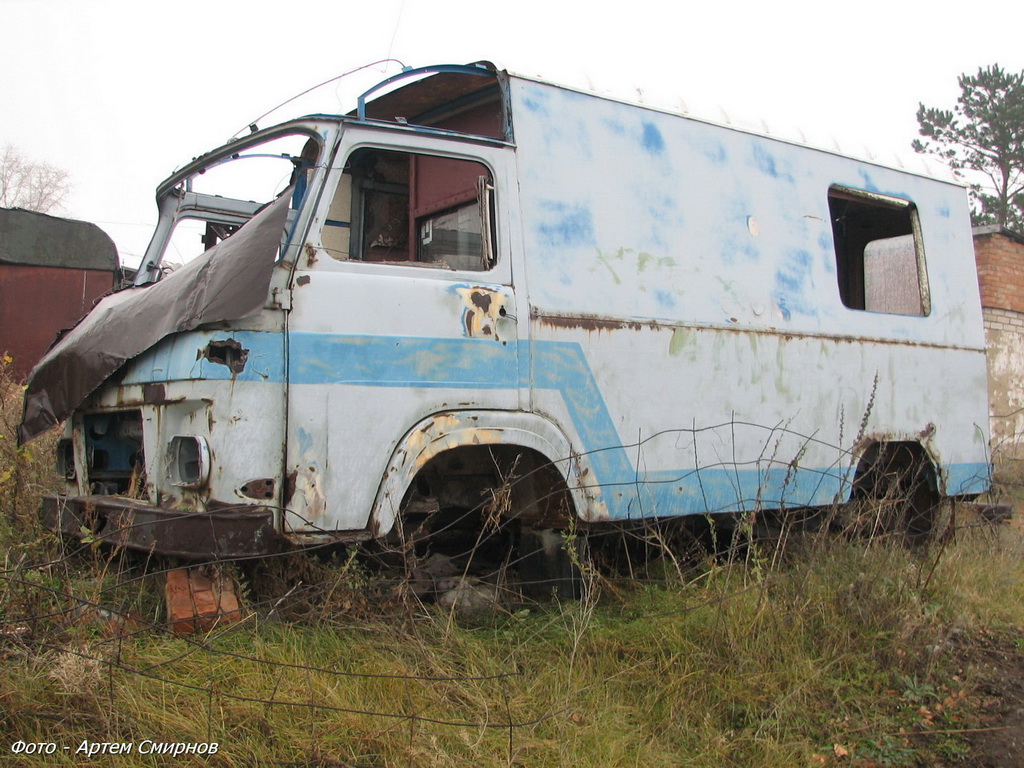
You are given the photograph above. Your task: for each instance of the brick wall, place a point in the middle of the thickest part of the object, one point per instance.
(1003, 320)
(1000, 257)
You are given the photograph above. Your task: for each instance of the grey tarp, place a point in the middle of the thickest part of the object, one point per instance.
(227, 282)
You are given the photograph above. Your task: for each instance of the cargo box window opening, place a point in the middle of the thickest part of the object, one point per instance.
(413, 209)
(879, 254)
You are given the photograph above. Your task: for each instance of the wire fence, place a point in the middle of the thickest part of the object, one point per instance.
(100, 609)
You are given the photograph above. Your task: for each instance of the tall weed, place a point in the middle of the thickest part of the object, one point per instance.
(828, 655)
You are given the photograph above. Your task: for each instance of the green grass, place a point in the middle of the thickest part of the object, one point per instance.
(831, 658)
(846, 649)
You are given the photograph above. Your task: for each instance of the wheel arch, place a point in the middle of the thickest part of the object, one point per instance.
(875, 455)
(451, 430)
(904, 486)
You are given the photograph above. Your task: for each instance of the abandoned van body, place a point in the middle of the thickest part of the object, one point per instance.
(486, 282)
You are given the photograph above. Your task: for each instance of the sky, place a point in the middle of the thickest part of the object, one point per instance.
(121, 92)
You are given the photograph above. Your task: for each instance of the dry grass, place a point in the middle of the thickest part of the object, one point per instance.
(825, 659)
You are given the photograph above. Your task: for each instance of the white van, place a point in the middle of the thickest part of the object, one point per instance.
(483, 297)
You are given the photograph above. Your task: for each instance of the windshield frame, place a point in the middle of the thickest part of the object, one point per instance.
(176, 200)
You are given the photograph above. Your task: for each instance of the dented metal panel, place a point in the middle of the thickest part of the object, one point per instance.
(689, 272)
(121, 522)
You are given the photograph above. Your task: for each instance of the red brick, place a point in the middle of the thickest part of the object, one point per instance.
(197, 602)
(1000, 272)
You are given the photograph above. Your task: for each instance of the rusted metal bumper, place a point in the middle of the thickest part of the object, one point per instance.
(992, 513)
(121, 522)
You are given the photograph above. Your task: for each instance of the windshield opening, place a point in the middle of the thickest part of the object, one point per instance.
(212, 202)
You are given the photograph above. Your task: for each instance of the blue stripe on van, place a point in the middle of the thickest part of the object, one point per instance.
(397, 361)
(629, 491)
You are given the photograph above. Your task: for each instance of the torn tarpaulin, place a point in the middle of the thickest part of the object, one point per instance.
(227, 282)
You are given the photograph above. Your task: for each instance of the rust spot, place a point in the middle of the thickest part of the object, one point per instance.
(601, 323)
(154, 394)
(870, 439)
(593, 323)
(310, 254)
(227, 352)
(289, 486)
(302, 280)
(483, 307)
(264, 488)
(481, 300)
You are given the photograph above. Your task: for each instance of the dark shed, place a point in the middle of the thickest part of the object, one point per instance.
(52, 270)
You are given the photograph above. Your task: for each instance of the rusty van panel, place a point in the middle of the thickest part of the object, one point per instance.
(123, 522)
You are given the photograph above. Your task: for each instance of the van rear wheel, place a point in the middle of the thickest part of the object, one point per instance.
(895, 493)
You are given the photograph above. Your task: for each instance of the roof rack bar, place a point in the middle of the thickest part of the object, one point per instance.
(466, 69)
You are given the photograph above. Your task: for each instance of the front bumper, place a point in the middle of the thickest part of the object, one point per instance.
(122, 522)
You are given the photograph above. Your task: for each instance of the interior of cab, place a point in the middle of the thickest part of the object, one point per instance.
(403, 207)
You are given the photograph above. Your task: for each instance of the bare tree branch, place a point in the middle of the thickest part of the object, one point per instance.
(32, 185)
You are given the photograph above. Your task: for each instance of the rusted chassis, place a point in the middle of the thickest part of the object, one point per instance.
(120, 522)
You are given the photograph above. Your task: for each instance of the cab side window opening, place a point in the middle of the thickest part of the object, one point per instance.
(879, 255)
(408, 208)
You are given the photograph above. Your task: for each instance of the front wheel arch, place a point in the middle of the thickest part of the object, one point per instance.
(451, 430)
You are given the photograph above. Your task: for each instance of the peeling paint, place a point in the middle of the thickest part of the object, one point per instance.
(308, 486)
(311, 255)
(484, 308)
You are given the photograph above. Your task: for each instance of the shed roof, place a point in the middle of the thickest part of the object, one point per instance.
(38, 239)
(995, 229)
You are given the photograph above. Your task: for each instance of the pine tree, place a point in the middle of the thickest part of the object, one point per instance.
(982, 137)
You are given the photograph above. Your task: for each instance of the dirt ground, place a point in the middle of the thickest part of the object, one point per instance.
(1001, 668)
(999, 743)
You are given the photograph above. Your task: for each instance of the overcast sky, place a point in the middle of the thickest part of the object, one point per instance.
(121, 92)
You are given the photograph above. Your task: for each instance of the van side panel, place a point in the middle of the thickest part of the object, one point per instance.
(687, 326)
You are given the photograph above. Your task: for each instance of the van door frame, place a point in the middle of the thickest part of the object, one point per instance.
(314, 264)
